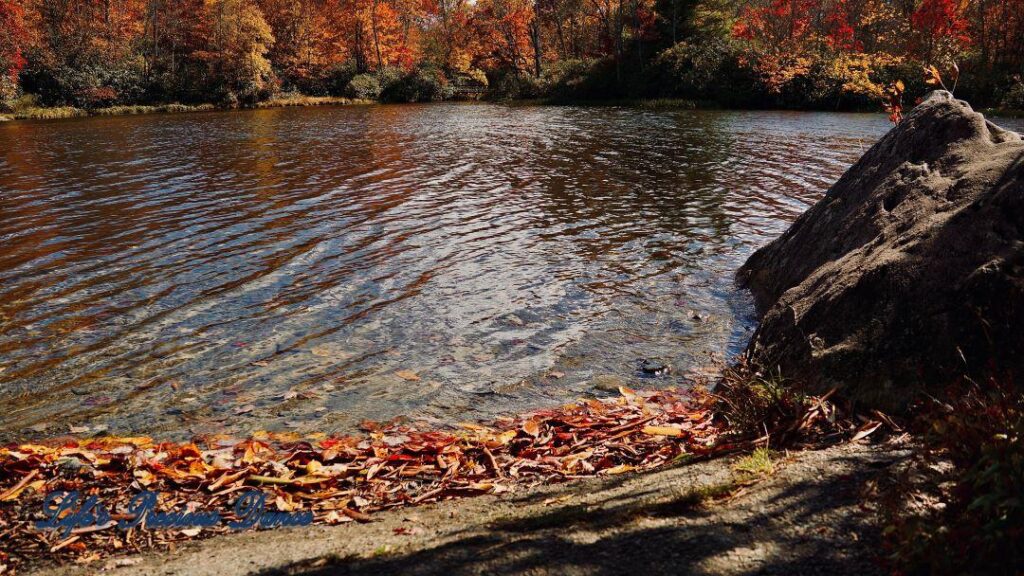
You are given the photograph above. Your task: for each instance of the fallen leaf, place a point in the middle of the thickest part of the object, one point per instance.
(620, 469)
(662, 431)
(557, 500)
(531, 427)
(866, 430)
(407, 375)
(356, 515)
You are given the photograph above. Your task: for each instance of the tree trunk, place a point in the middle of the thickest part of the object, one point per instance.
(535, 37)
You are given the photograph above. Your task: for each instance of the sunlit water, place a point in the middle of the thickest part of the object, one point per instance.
(284, 269)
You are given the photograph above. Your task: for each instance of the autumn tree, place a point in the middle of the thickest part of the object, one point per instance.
(174, 46)
(942, 29)
(506, 27)
(449, 36)
(240, 39)
(13, 37)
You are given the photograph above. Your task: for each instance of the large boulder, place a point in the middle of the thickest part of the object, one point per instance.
(909, 273)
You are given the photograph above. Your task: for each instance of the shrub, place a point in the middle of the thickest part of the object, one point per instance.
(580, 79)
(8, 91)
(979, 528)
(88, 87)
(336, 80)
(692, 70)
(419, 85)
(364, 87)
(1014, 97)
(516, 85)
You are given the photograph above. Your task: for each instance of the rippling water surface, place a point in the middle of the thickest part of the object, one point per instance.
(292, 268)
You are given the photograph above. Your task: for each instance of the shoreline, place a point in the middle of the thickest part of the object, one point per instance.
(328, 478)
(70, 112)
(290, 101)
(805, 516)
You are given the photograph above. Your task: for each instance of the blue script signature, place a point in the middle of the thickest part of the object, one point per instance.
(67, 511)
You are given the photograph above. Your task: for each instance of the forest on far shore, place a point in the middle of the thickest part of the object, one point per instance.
(801, 54)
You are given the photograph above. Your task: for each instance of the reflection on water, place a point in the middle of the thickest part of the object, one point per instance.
(275, 269)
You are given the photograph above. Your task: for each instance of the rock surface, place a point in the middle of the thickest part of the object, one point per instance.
(910, 272)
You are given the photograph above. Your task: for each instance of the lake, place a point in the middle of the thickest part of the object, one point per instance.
(306, 269)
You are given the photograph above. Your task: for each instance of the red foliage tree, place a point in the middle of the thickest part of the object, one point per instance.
(942, 26)
(13, 37)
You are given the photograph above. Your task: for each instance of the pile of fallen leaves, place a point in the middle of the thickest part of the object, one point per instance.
(338, 478)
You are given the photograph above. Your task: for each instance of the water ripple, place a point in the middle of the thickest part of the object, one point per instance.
(160, 272)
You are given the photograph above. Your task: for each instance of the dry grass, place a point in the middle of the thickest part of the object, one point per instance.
(26, 107)
(160, 109)
(58, 113)
(764, 408)
(294, 99)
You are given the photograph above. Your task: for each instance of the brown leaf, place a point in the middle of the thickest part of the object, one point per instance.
(532, 428)
(356, 515)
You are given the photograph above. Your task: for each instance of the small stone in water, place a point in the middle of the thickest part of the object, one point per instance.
(654, 367)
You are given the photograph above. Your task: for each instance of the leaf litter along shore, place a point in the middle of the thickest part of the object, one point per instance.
(337, 478)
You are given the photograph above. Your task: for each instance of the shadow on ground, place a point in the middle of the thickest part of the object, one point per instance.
(808, 519)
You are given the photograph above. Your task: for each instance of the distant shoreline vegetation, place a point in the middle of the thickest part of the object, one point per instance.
(28, 110)
(82, 57)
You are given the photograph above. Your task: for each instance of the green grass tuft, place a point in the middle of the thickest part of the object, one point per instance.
(757, 464)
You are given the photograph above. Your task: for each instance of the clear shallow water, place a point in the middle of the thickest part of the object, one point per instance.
(274, 269)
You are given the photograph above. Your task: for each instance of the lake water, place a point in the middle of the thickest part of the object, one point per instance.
(301, 268)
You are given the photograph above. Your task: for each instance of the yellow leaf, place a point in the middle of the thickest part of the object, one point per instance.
(662, 431)
(144, 477)
(499, 440)
(312, 467)
(620, 469)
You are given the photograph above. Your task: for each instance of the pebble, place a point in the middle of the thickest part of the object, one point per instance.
(607, 383)
(72, 466)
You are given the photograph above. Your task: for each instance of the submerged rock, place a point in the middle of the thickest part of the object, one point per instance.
(910, 272)
(649, 367)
